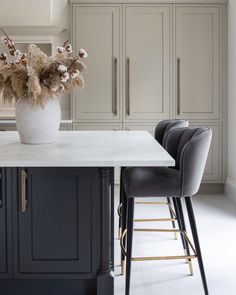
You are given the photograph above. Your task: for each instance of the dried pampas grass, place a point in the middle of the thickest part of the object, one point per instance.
(37, 76)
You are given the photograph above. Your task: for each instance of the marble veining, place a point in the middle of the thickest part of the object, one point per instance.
(85, 148)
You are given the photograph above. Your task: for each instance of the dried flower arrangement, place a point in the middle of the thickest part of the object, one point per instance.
(37, 76)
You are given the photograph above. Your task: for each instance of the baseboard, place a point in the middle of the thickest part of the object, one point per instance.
(211, 189)
(230, 189)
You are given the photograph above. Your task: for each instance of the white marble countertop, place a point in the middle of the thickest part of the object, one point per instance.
(85, 148)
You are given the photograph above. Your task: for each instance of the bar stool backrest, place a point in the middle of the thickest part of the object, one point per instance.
(164, 126)
(189, 147)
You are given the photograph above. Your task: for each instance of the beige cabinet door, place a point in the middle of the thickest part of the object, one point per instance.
(147, 43)
(97, 126)
(97, 29)
(150, 127)
(197, 59)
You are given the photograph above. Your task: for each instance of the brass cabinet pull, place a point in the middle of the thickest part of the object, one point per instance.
(23, 191)
(1, 193)
(128, 88)
(178, 86)
(114, 101)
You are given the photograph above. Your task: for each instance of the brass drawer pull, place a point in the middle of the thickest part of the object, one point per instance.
(128, 88)
(178, 86)
(114, 105)
(23, 191)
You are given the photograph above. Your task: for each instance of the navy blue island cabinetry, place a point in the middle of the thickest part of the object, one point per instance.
(56, 231)
(56, 209)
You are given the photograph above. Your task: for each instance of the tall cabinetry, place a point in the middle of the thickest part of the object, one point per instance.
(150, 62)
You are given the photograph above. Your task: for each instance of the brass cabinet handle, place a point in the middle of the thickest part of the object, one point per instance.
(1, 192)
(23, 191)
(178, 86)
(114, 101)
(128, 88)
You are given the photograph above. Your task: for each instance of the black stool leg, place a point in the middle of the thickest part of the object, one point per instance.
(130, 226)
(183, 228)
(196, 241)
(121, 202)
(124, 213)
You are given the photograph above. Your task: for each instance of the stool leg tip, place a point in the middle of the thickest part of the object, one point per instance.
(122, 267)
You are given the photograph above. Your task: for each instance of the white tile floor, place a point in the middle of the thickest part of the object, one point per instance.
(216, 220)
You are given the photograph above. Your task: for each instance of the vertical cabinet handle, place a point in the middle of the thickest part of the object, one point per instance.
(1, 192)
(178, 86)
(23, 191)
(114, 101)
(128, 88)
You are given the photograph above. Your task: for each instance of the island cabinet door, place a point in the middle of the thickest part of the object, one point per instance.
(55, 221)
(3, 233)
(5, 225)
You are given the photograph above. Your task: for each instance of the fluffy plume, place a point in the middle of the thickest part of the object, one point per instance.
(34, 88)
(37, 76)
(37, 60)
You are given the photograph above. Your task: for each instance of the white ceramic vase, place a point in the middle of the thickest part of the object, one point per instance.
(37, 125)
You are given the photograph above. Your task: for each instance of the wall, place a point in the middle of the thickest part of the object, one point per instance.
(230, 188)
(26, 12)
(38, 13)
(34, 12)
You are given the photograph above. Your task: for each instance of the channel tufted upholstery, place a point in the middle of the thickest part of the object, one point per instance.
(189, 147)
(163, 127)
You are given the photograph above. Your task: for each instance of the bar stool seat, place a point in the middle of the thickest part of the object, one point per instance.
(147, 181)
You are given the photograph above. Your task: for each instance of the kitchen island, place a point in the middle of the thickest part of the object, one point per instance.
(56, 209)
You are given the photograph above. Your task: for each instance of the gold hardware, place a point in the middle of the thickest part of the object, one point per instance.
(190, 267)
(155, 220)
(119, 209)
(114, 105)
(152, 203)
(119, 233)
(160, 219)
(23, 191)
(122, 267)
(175, 235)
(178, 86)
(186, 257)
(122, 242)
(128, 87)
(149, 258)
(157, 230)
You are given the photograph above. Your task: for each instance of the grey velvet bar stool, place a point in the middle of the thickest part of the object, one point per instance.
(162, 128)
(189, 147)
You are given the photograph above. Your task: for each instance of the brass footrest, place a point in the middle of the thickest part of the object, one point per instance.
(119, 209)
(154, 258)
(188, 258)
(152, 203)
(155, 220)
